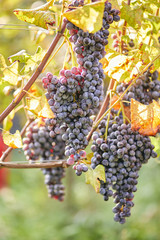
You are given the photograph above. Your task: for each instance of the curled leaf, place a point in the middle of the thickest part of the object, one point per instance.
(93, 177)
(40, 16)
(89, 17)
(12, 140)
(145, 118)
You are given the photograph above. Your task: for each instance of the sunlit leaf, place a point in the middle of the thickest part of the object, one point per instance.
(89, 17)
(11, 73)
(156, 142)
(132, 16)
(34, 60)
(39, 107)
(93, 177)
(120, 67)
(145, 118)
(40, 16)
(12, 140)
(46, 111)
(7, 123)
(21, 56)
(35, 90)
(33, 105)
(2, 62)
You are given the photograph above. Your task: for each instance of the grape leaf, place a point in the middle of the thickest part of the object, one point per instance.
(7, 123)
(33, 61)
(89, 17)
(11, 73)
(132, 16)
(2, 62)
(20, 56)
(40, 16)
(39, 107)
(33, 105)
(12, 140)
(46, 111)
(156, 142)
(93, 177)
(145, 118)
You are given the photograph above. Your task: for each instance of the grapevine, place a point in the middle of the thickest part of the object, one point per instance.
(72, 120)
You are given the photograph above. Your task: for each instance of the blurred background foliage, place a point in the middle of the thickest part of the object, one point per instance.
(25, 210)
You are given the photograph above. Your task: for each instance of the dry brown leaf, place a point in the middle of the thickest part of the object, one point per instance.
(145, 118)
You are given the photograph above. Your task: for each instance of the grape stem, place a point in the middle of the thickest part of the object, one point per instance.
(59, 163)
(35, 75)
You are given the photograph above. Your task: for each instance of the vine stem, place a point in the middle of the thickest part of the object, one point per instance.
(59, 163)
(9, 149)
(35, 75)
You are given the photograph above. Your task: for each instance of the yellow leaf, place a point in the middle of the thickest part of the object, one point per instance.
(89, 17)
(93, 177)
(39, 107)
(145, 118)
(7, 123)
(12, 140)
(46, 111)
(33, 105)
(11, 73)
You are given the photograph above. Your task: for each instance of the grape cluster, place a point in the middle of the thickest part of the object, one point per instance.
(78, 93)
(39, 145)
(89, 49)
(53, 181)
(122, 156)
(145, 89)
(65, 99)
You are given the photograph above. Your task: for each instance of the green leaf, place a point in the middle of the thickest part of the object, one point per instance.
(7, 123)
(93, 177)
(2, 62)
(156, 142)
(11, 73)
(20, 56)
(40, 16)
(132, 16)
(33, 61)
(89, 17)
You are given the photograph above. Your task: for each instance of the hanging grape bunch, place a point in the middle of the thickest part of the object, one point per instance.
(145, 89)
(78, 93)
(122, 155)
(38, 145)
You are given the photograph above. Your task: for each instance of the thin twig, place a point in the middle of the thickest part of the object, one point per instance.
(39, 69)
(9, 149)
(59, 163)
